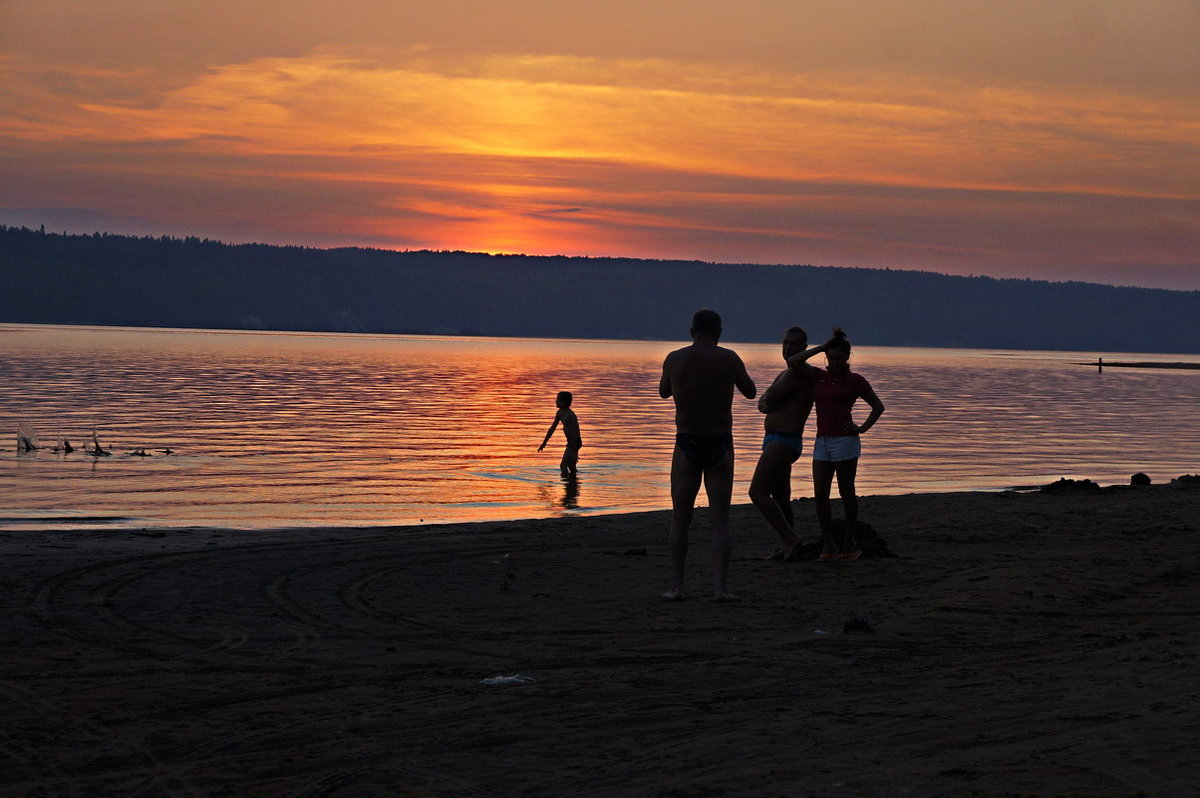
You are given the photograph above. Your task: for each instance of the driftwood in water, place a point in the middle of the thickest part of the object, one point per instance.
(1101, 364)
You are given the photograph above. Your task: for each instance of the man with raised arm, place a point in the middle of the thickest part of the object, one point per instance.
(787, 404)
(701, 378)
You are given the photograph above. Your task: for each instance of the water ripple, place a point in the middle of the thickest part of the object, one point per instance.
(273, 430)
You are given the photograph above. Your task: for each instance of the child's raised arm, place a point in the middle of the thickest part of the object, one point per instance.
(549, 432)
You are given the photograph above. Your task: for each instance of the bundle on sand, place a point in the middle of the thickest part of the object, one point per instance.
(870, 542)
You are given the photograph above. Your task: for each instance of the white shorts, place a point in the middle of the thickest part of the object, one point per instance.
(837, 448)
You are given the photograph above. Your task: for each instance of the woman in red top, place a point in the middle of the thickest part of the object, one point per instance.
(836, 451)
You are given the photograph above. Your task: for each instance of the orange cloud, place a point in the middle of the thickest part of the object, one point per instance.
(717, 121)
(546, 154)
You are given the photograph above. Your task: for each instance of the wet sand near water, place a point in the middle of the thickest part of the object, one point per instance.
(1022, 645)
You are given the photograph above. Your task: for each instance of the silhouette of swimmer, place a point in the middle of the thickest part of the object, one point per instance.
(570, 424)
(701, 378)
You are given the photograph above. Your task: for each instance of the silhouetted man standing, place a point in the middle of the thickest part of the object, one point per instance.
(787, 404)
(701, 379)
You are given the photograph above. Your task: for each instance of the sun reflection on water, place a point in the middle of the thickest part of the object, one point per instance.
(279, 429)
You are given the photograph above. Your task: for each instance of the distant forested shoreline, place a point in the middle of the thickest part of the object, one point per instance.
(104, 279)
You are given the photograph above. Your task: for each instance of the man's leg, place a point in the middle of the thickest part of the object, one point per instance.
(772, 477)
(718, 485)
(685, 484)
(822, 483)
(782, 493)
(847, 470)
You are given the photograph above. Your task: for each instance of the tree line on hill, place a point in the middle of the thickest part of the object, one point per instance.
(104, 279)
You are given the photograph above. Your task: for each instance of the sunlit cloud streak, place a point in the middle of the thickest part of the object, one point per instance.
(637, 157)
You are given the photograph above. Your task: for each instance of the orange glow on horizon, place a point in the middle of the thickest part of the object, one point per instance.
(555, 154)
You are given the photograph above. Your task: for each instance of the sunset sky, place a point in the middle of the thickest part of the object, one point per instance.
(1054, 139)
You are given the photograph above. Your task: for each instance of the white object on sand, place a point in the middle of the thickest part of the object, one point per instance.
(496, 681)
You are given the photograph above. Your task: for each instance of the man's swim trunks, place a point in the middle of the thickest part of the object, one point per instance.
(704, 451)
(789, 439)
(575, 443)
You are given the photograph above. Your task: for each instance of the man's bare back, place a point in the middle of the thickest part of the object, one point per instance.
(701, 378)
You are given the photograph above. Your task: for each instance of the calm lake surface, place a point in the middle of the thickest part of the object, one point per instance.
(296, 429)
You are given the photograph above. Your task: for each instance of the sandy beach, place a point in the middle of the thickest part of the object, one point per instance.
(1040, 644)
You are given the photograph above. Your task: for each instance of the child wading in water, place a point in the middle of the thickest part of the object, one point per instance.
(570, 424)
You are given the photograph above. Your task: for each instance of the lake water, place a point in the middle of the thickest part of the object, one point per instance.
(295, 429)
